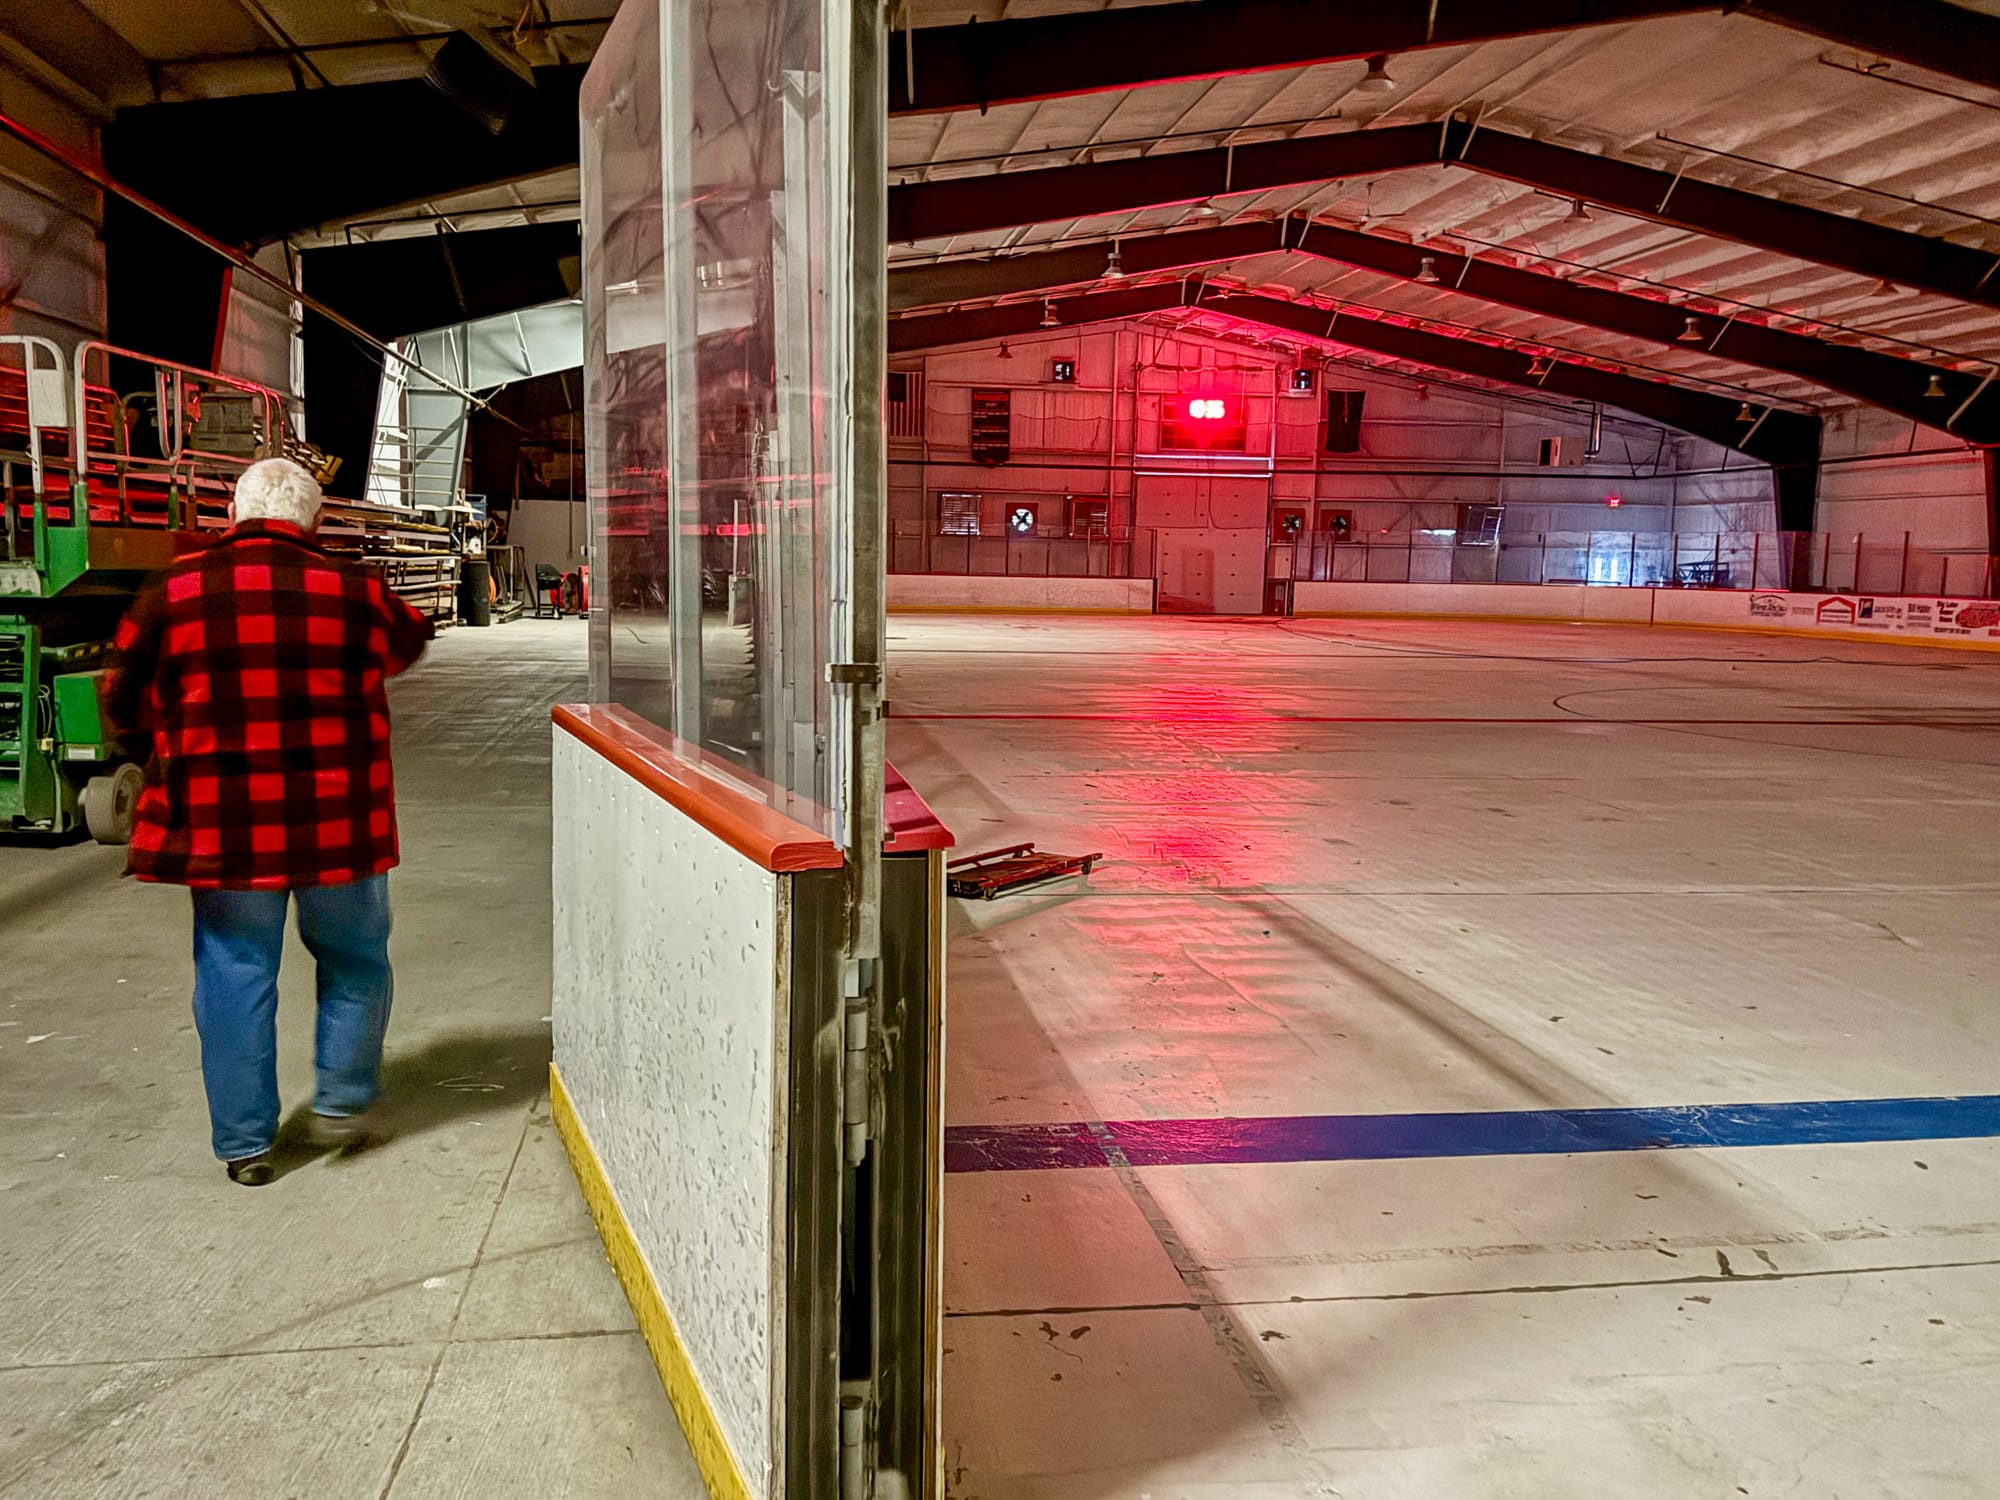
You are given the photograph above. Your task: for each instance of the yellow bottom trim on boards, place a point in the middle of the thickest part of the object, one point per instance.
(712, 1455)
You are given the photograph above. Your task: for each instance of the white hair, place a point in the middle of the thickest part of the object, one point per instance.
(276, 489)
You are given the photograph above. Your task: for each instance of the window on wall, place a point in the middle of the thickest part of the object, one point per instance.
(1089, 518)
(958, 512)
(1022, 518)
(1479, 525)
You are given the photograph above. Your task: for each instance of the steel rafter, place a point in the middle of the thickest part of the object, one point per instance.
(978, 65)
(1052, 195)
(969, 205)
(945, 282)
(1808, 234)
(1947, 39)
(1968, 405)
(1776, 437)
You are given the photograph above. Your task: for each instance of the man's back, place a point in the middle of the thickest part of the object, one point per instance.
(256, 667)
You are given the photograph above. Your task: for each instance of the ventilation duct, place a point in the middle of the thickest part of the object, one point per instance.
(481, 77)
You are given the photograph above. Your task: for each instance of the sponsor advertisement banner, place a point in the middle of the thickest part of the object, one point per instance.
(1970, 619)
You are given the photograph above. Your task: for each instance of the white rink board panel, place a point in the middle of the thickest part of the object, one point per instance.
(1906, 620)
(940, 591)
(669, 966)
(1914, 620)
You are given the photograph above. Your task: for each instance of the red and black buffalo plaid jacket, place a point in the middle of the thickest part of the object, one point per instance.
(256, 670)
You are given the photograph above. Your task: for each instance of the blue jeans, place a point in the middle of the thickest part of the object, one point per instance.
(239, 937)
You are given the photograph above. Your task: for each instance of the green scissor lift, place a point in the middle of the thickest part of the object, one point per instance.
(64, 582)
(60, 765)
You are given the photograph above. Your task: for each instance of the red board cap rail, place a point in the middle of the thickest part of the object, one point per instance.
(756, 831)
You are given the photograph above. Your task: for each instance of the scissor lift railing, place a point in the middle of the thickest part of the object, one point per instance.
(97, 491)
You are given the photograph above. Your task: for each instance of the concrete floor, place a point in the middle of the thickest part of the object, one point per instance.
(432, 1319)
(1394, 869)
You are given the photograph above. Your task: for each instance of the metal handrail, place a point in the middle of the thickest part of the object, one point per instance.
(178, 464)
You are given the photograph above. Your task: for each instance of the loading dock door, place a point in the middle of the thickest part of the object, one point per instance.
(1212, 532)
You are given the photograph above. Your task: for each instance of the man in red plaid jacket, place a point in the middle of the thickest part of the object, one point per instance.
(255, 669)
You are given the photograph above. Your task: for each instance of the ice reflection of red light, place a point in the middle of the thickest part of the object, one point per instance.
(1201, 818)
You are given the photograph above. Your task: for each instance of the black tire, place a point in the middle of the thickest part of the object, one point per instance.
(111, 803)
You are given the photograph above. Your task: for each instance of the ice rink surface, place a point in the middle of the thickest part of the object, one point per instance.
(1555, 893)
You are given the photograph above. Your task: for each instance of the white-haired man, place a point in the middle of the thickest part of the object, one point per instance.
(254, 669)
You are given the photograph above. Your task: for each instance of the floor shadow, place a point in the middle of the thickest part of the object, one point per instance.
(443, 1078)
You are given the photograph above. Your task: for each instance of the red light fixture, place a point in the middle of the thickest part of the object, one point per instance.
(1614, 500)
(1202, 419)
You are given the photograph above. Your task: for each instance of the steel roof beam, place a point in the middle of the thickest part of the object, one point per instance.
(1773, 436)
(1947, 39)
(978, 65)
(1881, 380)
(1807, 234)
(969, 205)
(1044, 270)
(1052, 195)
(1047, 57)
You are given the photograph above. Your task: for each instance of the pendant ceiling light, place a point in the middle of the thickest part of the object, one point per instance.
(1377, 80)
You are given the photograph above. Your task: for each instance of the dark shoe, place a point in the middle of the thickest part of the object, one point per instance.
(251, 1171)
(346, 1132)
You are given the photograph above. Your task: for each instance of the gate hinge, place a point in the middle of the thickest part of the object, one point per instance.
(856, 980)
(854, 673)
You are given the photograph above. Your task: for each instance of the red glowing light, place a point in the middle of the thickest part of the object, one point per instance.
(1614, 500)
(1203, 420)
